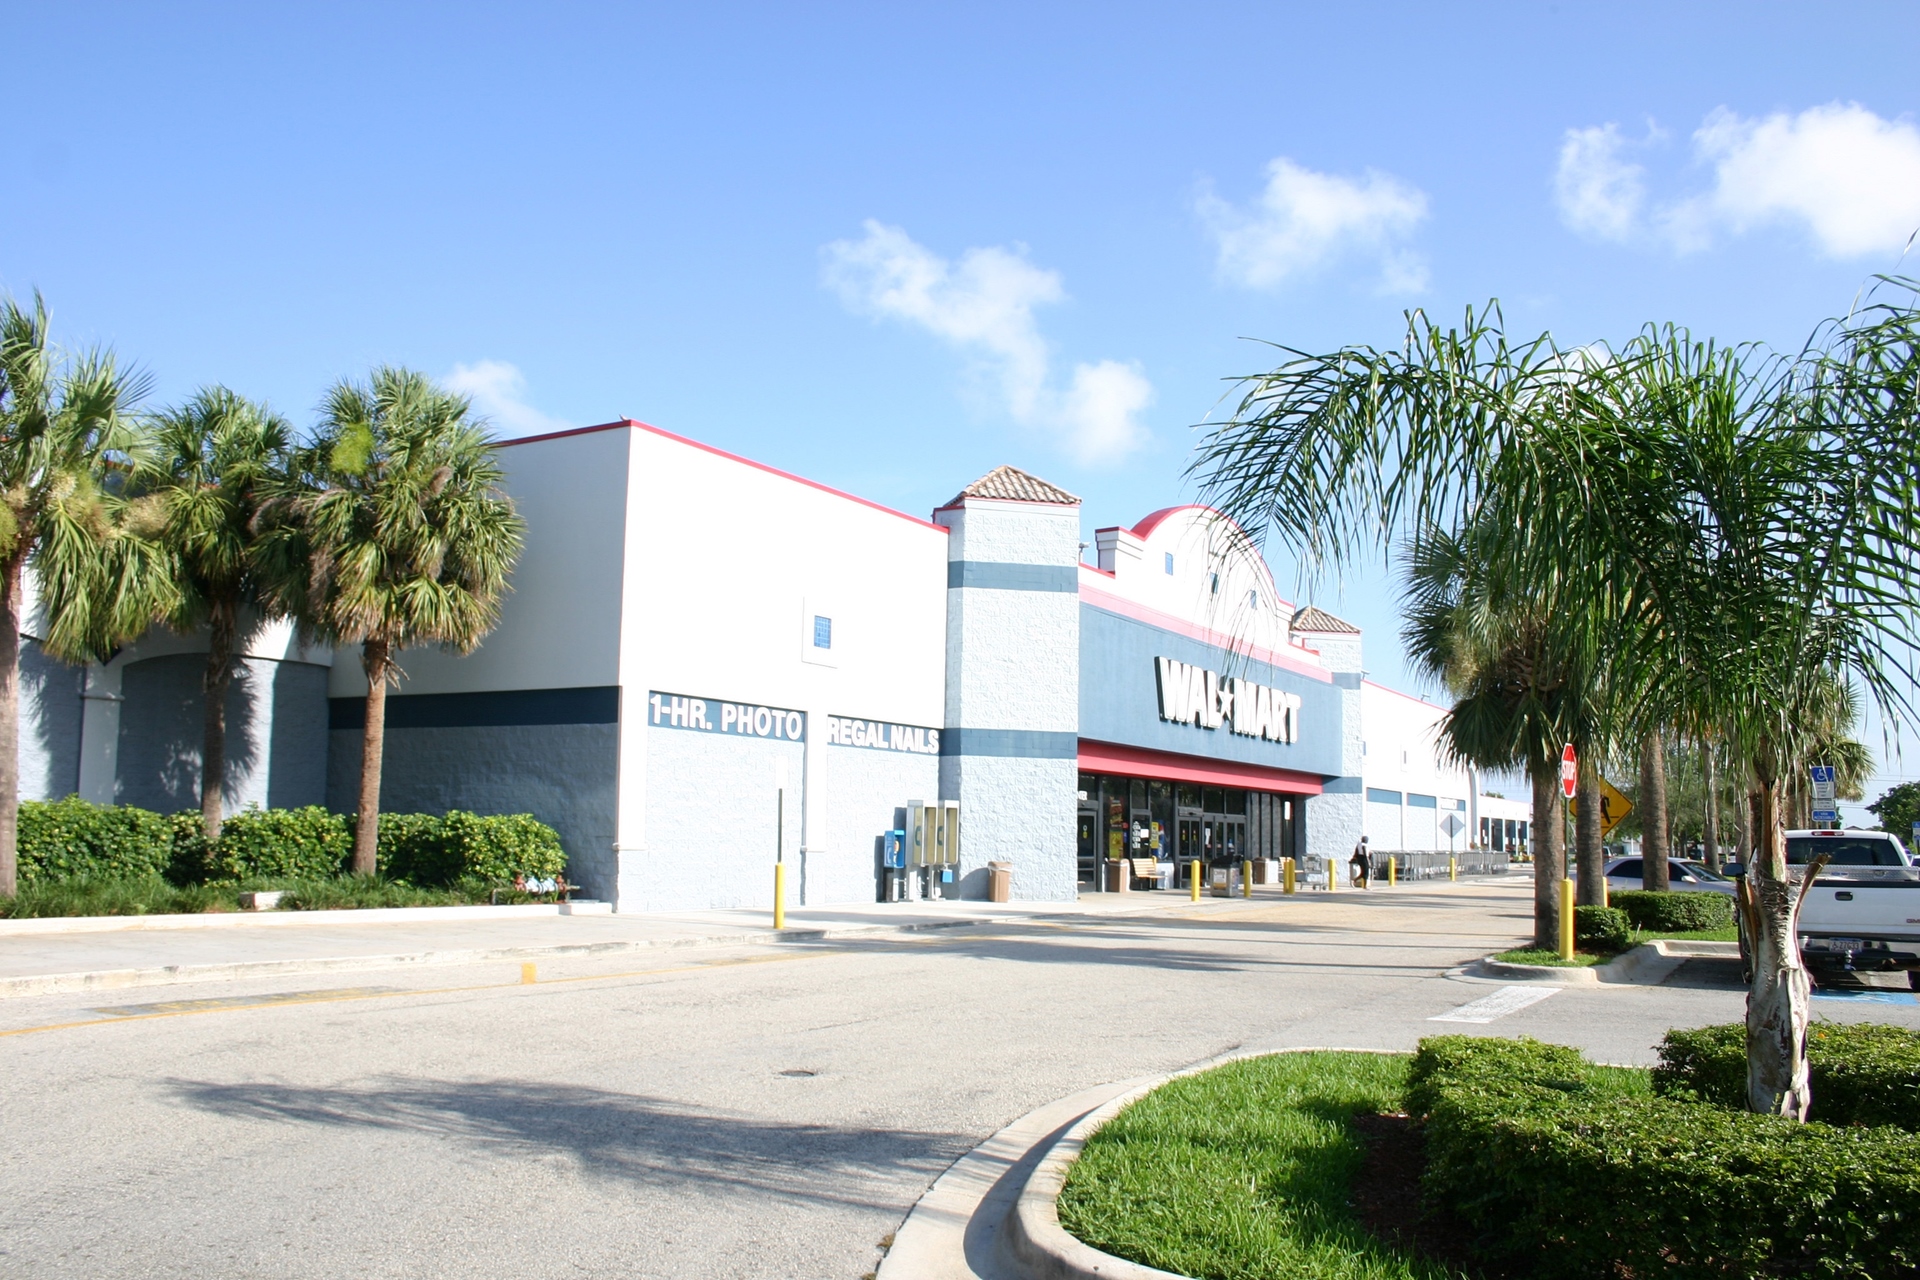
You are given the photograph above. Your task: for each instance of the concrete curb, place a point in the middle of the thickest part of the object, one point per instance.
(1647, 965)
(169, 975)
(992, 1214)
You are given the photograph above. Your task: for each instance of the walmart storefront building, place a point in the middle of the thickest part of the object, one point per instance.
(698, 647)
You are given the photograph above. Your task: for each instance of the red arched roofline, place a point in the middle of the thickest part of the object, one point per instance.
(1145, 528)
(634, 425)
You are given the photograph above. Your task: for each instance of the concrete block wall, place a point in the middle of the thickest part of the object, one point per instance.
(1336, 817)
(1010, 748)
(867, 794)
(50, 719)
(711, 823)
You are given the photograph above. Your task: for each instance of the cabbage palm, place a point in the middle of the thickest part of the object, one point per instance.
(66, 437)
(392, 533)
(1516, 697)
(1735, 535)
(211, 464)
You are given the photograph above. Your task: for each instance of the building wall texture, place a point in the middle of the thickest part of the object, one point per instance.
(50, 719)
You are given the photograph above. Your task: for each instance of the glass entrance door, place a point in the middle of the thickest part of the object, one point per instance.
(1089, 854)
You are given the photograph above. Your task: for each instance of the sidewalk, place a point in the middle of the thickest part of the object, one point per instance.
(36, 959)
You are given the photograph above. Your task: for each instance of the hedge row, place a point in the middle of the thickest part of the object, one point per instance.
(1862, 1073)
(1565, 1169)
(70, 838)
(1601, 929)
(1675, 912)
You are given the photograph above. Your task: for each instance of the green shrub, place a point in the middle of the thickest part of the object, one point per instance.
(72, 839)
(1601, 929)
(1861, 1073)
(1675, 912)
(303, 843)
(427, 850)
(1563, 1169)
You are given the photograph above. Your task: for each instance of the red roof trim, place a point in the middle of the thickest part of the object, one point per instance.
(1167, 622)
(1167, 766)
(731, 457)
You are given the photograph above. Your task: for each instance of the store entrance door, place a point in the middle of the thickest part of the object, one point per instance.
(1088, 866)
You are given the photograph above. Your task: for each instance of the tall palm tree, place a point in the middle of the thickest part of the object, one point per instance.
(66, 441)
(393, 533)
(1515, 697)
(1742, 533)
(212, 463)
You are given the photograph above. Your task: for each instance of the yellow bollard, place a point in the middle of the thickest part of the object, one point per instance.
(1566, 919)
(1606, 893)
(1195, 888)
(1246, 879)
(779, 895)
(1393, 872)
(1333, 876)
(526, 974)
(1286, 875)
(1453, 868)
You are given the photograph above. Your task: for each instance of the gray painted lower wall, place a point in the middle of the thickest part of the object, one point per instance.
(868, 793)
(563, 774)
(50, 718)
(1019, 810)
(710, 823)
(276, 722)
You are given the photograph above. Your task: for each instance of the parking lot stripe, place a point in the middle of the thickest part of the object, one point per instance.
(1498, 1005)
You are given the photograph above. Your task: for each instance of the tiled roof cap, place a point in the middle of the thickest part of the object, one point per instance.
(1016, 485)
(1312, 619)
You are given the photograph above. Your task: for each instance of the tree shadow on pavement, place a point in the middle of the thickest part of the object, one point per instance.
(613, 1135)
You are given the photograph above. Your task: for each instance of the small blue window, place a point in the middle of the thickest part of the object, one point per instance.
(822, 632)
(1169, 562)
(1376, 795)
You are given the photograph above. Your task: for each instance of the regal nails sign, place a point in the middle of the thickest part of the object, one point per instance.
(1196, 696)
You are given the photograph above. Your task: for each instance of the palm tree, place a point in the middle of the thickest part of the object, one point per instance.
(393, 532)
(1515, 698)
(66, 440)
(213, 461)
(1739, 533)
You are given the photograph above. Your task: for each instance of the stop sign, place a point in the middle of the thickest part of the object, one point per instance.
(1569, 771)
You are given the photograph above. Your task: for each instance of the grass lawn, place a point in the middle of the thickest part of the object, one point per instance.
(153, 895)
(1244, 1171)
(1581, 959)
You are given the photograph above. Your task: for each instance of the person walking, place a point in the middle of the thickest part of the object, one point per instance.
(1362, 865)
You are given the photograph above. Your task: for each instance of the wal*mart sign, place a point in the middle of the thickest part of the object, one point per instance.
(879, 735)
(1196, 696)
(714, 715)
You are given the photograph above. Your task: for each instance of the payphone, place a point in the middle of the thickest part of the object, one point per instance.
(933, 848)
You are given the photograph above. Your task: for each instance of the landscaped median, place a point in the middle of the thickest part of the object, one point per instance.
(1636, 918)
(81, 859)
(1483, 1157)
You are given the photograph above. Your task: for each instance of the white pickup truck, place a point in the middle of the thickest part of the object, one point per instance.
(1863, 914)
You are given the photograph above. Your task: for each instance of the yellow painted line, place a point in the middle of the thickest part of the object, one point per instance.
(231, 1004)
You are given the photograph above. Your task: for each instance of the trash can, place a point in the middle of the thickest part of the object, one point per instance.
(1000, 882)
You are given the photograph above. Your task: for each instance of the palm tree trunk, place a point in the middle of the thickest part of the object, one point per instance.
(1549, 855)
(10, 575)
(1653, 815)
(1713, 808)
(1780, 1000)
(213, 732)
(1589, 857)
(375, 659)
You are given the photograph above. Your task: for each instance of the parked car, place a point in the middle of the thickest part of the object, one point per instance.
(1863, 914)
(1682, 876)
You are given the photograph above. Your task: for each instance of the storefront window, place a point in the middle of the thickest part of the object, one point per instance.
(1236, 802)
(1213, 800)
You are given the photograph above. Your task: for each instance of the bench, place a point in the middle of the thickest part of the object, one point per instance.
(1147, 870)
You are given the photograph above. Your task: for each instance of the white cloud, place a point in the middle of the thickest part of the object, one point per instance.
(1305, 219)
(498, 390)
(983, 304)
(1850, 177)
(1600, 193)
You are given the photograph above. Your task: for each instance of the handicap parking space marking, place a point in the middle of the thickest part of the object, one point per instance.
(1498, 1005)
(1869, 997)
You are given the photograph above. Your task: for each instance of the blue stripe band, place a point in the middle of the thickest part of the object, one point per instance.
(1028, 744)
(598, 705)
(994, 575)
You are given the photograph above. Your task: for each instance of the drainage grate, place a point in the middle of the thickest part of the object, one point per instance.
(797, 1073)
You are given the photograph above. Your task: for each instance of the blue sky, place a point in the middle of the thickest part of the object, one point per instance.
(891, 248)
